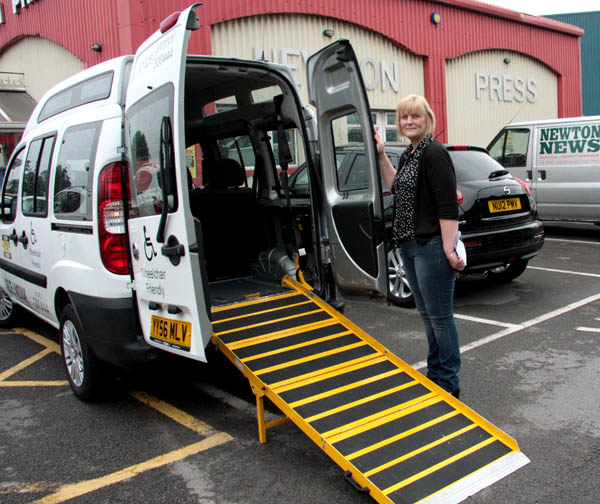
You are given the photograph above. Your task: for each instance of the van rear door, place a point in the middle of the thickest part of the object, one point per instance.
(353, 208)
(166, 258)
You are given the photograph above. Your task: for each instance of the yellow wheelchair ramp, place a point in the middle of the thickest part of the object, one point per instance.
(396, 434)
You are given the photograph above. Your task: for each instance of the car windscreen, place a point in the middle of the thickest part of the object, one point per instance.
(473, 165)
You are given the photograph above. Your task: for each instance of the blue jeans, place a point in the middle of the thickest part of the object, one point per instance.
(431, 279)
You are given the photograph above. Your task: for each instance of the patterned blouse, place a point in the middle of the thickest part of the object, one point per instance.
(404, 190)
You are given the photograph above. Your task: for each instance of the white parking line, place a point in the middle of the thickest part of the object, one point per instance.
(518, 327)
(551, 270)
(589, 329)
(573, 241)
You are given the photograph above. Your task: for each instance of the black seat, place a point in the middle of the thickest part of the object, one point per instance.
(229, 213)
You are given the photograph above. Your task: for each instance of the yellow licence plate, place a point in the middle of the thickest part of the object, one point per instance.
(174, 333)
(504, 205)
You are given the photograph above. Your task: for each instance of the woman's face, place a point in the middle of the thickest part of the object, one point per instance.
(413, 125)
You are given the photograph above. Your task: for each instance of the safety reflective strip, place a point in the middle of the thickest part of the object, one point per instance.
(324, 376)
(361, 401)
(260, 312)
(284, 333)
(218, 309)
(380, 421)
(310, 358)
(294, 347)
(345, 388)
(438, 466)
(267, 322)
(379, 414)
(402, 435)
(422, 449)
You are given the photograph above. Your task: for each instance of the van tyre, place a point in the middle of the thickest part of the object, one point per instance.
(509, 272)
(81, 365)
(9, 311)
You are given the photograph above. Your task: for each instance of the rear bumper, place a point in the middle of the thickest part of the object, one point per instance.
(498, 247)
(112, 330)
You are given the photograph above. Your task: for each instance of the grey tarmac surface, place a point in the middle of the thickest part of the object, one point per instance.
(531, 365)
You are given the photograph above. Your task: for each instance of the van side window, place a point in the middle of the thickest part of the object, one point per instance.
(510, 149)
(145, 129)
(11, 187)
(74, 172)
(36, 173)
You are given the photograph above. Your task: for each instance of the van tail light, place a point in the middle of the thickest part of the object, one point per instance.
(525, 185)
(111, 220)
(459, 196)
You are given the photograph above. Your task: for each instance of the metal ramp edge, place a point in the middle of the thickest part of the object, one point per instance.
(394, 433)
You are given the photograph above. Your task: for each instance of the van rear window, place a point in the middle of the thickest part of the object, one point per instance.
(90, 90)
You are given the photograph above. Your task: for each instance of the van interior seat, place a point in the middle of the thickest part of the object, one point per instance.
(231, 222)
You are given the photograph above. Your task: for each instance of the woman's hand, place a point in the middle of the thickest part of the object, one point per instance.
(378, 141)
(455, 261)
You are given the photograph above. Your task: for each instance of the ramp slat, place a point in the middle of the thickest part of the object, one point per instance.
(393, 430)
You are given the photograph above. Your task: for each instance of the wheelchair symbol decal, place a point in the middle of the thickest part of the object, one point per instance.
(149, 247)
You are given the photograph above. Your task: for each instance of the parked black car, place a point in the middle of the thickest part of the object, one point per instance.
(497, 215)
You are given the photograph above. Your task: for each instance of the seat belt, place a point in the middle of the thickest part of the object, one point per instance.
(285, 157)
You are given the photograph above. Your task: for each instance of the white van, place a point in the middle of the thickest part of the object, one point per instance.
(560, 160)
(105, 237)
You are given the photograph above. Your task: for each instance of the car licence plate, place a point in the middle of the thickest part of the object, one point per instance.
(174, 333)
(504, 205)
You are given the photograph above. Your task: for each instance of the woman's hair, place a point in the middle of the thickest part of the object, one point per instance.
(412, 104)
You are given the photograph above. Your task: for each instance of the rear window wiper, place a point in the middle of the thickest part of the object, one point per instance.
(497, 174)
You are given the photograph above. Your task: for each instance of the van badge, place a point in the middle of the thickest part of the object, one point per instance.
(506, 190)
(149, 247)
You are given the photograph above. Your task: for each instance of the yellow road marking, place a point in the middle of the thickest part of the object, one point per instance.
(38, 338)
(23, 364)
(32, 383)
(174, 413)
(70, 491)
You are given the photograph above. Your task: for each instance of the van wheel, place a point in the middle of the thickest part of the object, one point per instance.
(81, 365)
(400, 292)
(8, 310)
(505, 274)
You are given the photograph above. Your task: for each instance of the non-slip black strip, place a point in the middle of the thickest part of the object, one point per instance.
(334, 382)
(265, 317)
(71, 228)
(353, 394)
(256, 307)
(414, 465)
(369, 408)
(282, 325)
(450, 474)
(317, 364)
(26, 274)
(293, 339)
(389, 429)
(303, 352)
(410, 443)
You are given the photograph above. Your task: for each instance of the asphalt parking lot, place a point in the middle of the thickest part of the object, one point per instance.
(182, 432)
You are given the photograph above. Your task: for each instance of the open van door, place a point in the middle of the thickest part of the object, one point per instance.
(163, 236)
(353, 204)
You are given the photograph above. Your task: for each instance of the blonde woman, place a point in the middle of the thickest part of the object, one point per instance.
(424, 228)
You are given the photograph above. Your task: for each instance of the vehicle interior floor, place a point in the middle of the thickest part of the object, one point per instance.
(242, 289)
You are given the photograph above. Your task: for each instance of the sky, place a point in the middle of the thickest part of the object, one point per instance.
(543, 7)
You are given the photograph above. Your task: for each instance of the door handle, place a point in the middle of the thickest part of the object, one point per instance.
(529, 174)
(541, 175)
(173, 250)
(23, 240)
(14, 237)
